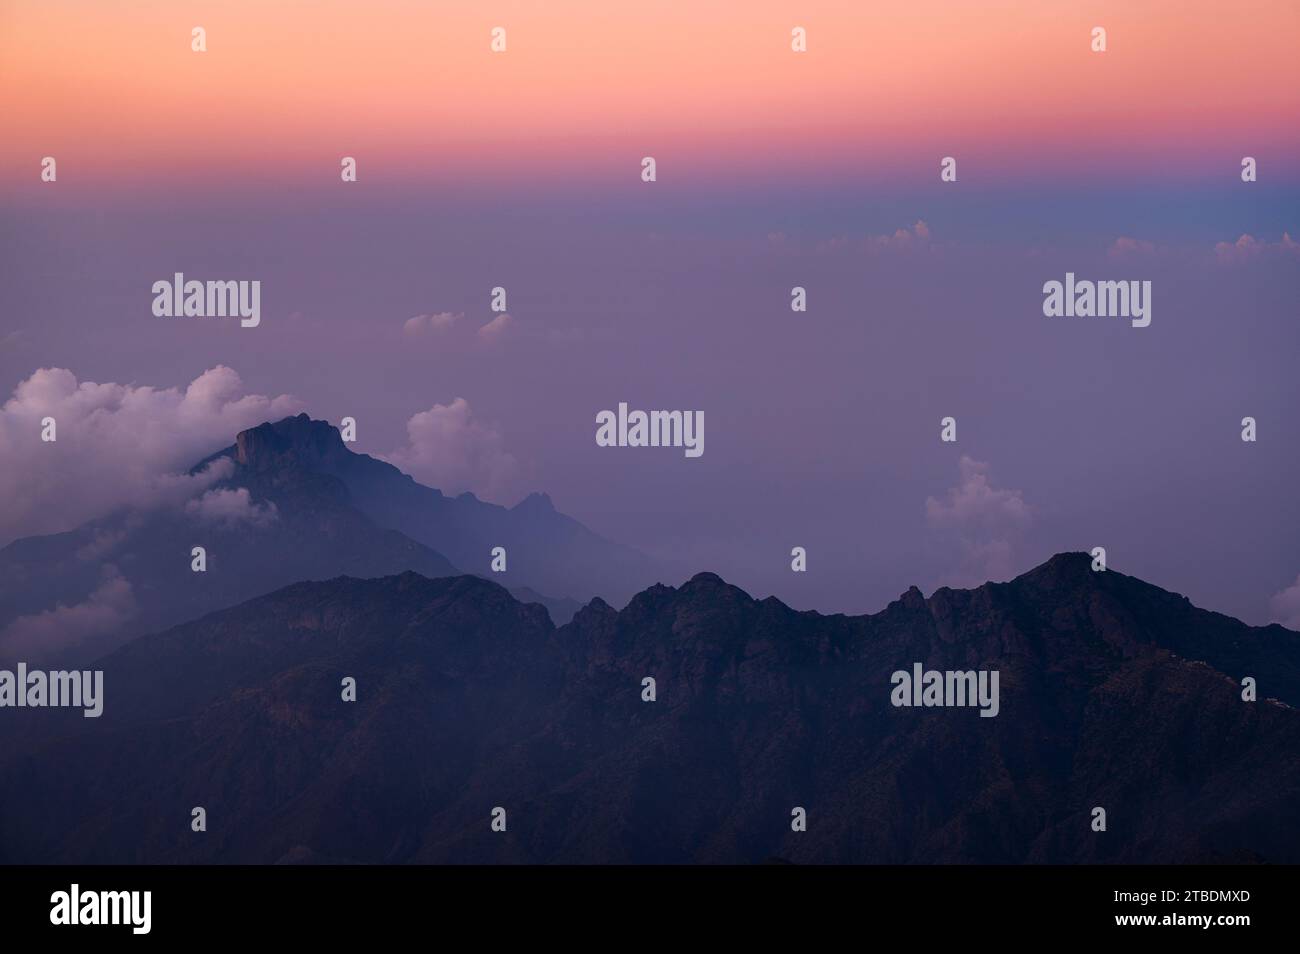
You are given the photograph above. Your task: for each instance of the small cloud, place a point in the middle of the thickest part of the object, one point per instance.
(1248, 247)
(916, 237)
(229, 507)
(104, 611)
(918, 234)
(1125, 247)
(450, 450)
(975, 503)
(433, 323)
(495, 328)
(987, 520)
(1286, 606)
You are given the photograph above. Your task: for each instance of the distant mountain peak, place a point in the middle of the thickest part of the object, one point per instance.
(539, 502)
(707, 579)
(293, 439)
(913, 599)
(549, 550)
(1063, 570)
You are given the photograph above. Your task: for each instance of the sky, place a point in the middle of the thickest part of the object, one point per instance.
(522, 169)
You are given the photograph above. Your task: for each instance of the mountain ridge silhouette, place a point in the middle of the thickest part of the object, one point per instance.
(468, 699)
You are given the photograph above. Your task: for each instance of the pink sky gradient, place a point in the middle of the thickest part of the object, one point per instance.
(585, 89)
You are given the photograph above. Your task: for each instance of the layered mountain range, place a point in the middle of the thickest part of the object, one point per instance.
(1114, 694)
(548, 551)
(287, 502)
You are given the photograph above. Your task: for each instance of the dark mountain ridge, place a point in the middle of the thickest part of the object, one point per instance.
(1113, 693)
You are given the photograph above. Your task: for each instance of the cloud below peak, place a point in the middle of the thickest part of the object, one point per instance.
(110, 606)
(230, 507)
(116, 445)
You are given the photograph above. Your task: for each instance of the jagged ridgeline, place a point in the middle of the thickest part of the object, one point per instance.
(1113, 694)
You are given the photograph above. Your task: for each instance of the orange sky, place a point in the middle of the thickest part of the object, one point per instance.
(113, 90)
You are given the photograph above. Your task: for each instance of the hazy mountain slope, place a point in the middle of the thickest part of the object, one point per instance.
(307, 529)
(314, 510)
(546, 550)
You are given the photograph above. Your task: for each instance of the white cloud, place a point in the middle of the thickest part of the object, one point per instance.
(987, 521)
(104, 611)
(1248, 247)
(1286, 606)
(916, 237)
(232, 507)
(118, 444)
(450, 450)
(1125, 247)
(440, 321)
(495, 328)
(975, 504)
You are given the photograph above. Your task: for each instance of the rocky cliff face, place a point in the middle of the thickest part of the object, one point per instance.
(1113, 694)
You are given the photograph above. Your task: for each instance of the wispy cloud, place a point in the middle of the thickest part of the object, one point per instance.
(431, 323)
(104, 611)
(227, 507)
(495, 329)
(1248, 247)
(987, 521)
(916, 236)
(1127, 247)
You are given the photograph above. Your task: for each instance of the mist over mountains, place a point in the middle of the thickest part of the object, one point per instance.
(547, 550)
(1114, 693)
(324, 564)
(286, 502)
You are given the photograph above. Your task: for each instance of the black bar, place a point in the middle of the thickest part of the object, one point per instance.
(657, 904)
